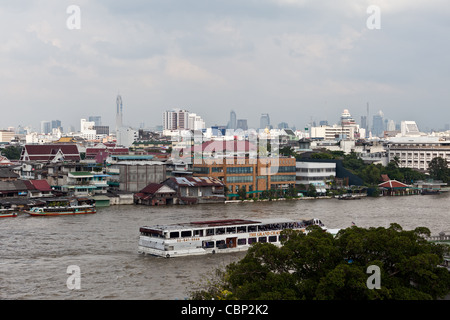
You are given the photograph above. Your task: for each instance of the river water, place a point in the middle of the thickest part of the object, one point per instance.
(35, 252)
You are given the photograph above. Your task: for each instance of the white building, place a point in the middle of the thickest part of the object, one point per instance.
(417, 152)
(126, 136)
(87, 129)
(315, 173)
(195, 122)
(346, 129)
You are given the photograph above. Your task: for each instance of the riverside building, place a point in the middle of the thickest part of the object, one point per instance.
(254, 175)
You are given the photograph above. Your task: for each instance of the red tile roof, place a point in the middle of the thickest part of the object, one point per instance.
(41, 185)
(46, 152)
(391, 184)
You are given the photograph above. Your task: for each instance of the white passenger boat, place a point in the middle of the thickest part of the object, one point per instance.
(218, 236)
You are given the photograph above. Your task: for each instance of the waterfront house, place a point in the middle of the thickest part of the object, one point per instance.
(86, 183)
(38, 188)
(192, 190)
(13, 189)
(155, 194)
(7, 174)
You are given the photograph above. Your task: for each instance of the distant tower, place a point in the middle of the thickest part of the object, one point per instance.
(264, 122)
(119, 114)
(232, 124)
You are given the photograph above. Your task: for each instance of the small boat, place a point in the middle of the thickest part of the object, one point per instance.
(430, 191)
(8, 213)
(62, 207)
(348, 197)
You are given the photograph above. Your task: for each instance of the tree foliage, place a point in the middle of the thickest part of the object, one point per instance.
(318, 266)
(438, 169)
(12, 152)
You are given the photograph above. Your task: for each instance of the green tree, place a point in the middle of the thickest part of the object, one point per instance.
(12, 152)
(312, 192)
(438, 169)
(242, 192)
(371, 174)
(287, 151)
(319, 266)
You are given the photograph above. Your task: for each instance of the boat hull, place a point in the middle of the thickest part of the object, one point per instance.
(59, 214)
(62, 212)
(8, 215)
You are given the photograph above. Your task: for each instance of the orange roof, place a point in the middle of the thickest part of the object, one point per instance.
(391, 184)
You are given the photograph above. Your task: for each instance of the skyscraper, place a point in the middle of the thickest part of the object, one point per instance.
(242, 124)
(264, 121)
(378, 124)
(119, 112)
(232, 124)
(56, 124)
(96, 119)
(46, 127)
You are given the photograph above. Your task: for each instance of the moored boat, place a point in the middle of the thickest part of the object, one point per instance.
(64, 207)
(218, 236)
(8, 213)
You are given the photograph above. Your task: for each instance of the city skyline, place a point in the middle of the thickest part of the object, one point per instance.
(298, 61)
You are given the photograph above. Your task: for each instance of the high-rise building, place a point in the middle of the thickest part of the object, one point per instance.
(242, 124)
(96, 119)
(195, 122)
(56, 124)
(347, 119)
(176, 119)
(378, 124)
(46, 127)
(119, 112)
(283, 125)
(232, 124)
(264, 121)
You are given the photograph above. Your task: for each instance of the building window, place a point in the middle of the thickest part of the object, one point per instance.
(238, 170)
(239, 179)
(283, 178)
(201, 170)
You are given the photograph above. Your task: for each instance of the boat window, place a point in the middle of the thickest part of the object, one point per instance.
(187, 233)
(208, 244)
(251, 228)
(220, 230)
(272, 238)
(209, 232)
(221, 244)
(242, 242)
(262, 239)
(175, 234)
(231, 230)
(251, 240)
(241, 229)
(198, 233)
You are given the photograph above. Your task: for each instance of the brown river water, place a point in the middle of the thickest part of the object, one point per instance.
(35, 252)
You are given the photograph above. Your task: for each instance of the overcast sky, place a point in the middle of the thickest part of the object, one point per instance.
(297, 60)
